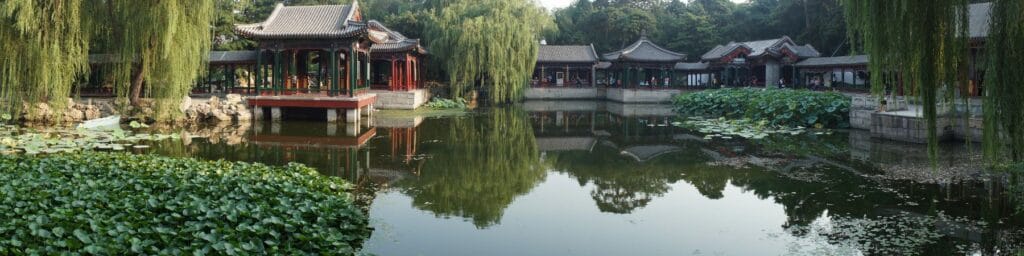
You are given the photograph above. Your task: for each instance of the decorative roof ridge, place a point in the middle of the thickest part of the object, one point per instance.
(594, 52)
(351, 12)
(273, 15)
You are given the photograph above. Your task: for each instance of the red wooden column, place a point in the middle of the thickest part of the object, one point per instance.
(392, 81)
(408, 75)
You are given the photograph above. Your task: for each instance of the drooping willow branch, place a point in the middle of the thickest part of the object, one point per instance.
(926, 42)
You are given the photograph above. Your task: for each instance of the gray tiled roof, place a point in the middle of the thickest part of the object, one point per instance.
(691, 66)
(399, 46)
(762, 47)
(306, 22)
(396, 42)
(645, 51)
(856, 60)
(980, 19)
(218, 57)
(567, 54)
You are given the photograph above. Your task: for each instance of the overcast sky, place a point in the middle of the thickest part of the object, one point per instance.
(552, 4)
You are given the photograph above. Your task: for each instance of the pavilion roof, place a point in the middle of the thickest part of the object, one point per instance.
(980, 19)
(224, 57)
(396, 42)
(857, 60)
(307, 22)
(643, 50)
(692, 66)
(761, 48)
(567, 54)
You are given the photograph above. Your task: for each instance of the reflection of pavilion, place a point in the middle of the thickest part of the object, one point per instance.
(399, 160)
(317, 145)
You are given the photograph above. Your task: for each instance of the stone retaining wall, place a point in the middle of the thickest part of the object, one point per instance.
(407, 100)
(642, 95)
(553, 93)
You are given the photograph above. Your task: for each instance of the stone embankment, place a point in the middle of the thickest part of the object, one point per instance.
(231, 108)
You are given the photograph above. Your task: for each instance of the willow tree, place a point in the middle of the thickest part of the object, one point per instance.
(161, 49)
(489, 43)
(1004, 112)
(43, 50)
(926, 41)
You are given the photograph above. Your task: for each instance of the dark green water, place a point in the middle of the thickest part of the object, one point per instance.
(593, 178)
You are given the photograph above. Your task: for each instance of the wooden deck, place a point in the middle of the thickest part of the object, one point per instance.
(314, 142)
(314, 101)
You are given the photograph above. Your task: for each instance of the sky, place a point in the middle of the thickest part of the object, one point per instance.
(552, 4)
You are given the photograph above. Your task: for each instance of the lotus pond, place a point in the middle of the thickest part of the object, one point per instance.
(596, 178)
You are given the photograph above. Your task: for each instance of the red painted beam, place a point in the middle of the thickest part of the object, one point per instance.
(312, 103)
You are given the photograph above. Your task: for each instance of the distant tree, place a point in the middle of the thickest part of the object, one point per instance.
(490, 43)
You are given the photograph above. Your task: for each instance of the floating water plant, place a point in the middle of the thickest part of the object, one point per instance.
(729, 128)
(32, 141)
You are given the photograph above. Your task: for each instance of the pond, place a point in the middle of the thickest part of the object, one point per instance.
(598, 178)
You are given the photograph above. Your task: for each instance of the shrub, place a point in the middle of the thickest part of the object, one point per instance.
(113, 203)
(440, 103)
(777, 107)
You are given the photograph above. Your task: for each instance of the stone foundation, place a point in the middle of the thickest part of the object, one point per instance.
(407, 100)
(560, 93)
(642, 95)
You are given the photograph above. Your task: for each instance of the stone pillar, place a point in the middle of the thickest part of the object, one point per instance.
(352, 129)
(275, 128)
(332, 115)
(772, 72)
(257, 113)
(332, 129)
(275, 114)
(351, 116)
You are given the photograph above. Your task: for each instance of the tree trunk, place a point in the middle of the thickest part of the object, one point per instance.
(138, 75)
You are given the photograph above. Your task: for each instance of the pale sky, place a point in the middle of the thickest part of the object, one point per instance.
(552, 4)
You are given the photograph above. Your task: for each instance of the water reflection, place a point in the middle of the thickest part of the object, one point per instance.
(478, 165)
(498, 177)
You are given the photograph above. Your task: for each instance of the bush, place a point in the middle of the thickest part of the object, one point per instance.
(440, 103)
(777, 107)
(113, 203)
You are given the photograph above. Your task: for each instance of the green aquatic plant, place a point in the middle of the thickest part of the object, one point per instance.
(790, 108)
(745, 128)
(32, 141)
(117, 203)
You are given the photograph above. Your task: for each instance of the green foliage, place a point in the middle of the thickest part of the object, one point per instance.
(162, 46)
(440, 103)
(44, 49)
(490, 43)
(777, 107)
(924, 40)
(99, 203)
(694, 27)
(1004, 113)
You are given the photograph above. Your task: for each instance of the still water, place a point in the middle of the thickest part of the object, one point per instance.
(597, 178)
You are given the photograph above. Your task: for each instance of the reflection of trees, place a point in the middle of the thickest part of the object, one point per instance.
(622, 184)
(482, 163)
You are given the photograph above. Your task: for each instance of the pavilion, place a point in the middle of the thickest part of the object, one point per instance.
(757, 63)
(642, 64)
(399, 58)
(565, 65)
